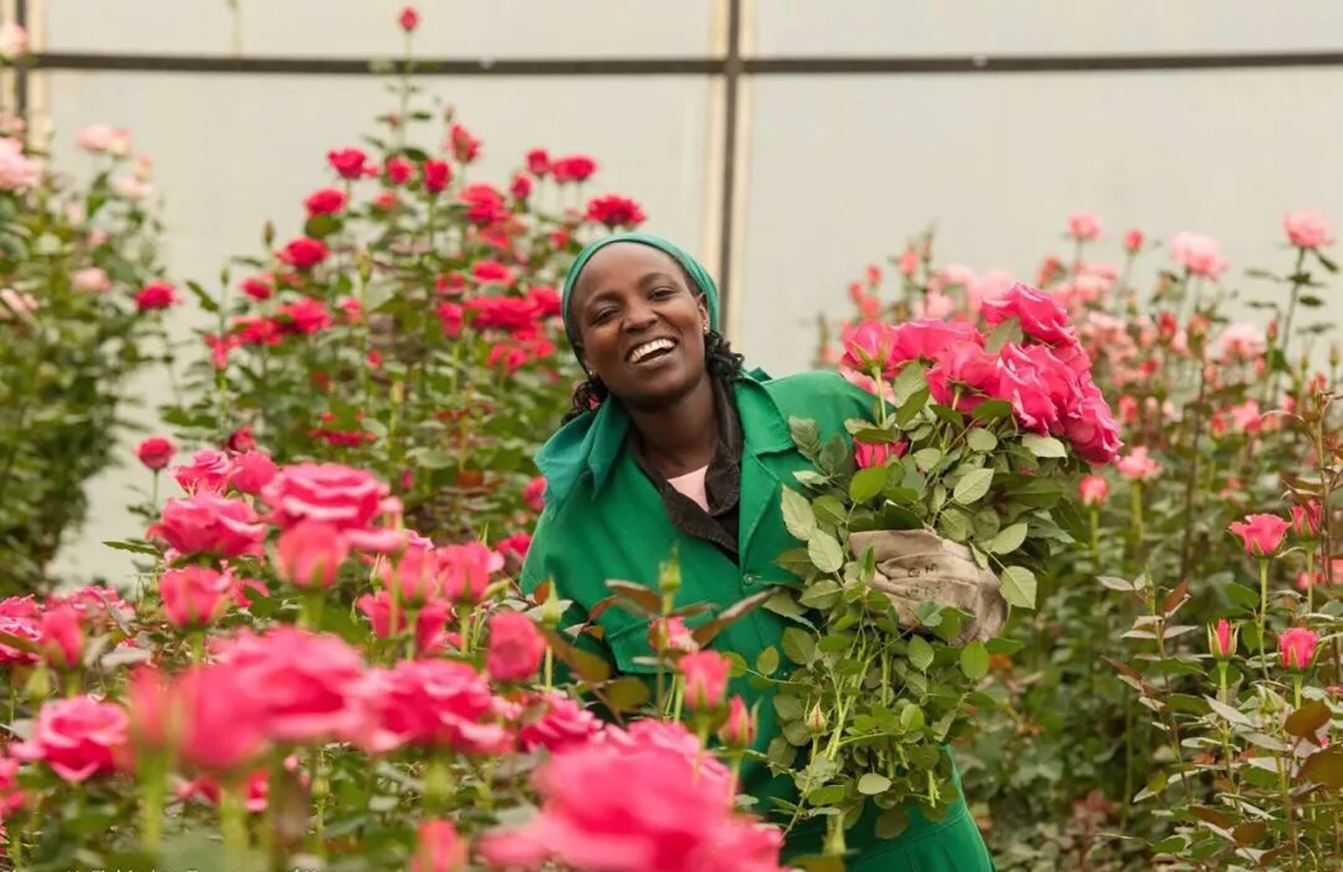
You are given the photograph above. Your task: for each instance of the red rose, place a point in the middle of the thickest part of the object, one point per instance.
(208, 523)
(306, 316)
(399, 170)
(348, 162)
(465, 146)
(156, 296)
(538, 162)
(436, 174)
(514, 314)
(492, 271)
(615, 211)
(576, 168)
(307, 686)
(194, 596)
(409, 19)
(515, 647)
(327, 201)
(156, 452)
(77, 737)
(547, 301)
(485, 205)
(450, 314)
(304, 253)
(258, 288)
(521, 188)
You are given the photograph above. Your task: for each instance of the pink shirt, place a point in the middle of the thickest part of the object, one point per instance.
(692, 485)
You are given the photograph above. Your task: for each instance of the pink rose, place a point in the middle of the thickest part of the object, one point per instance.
(194, 596)
(307, 686)
(77, 737)
(465, 570)
(437, 174)
(671, 634)
(1091, 428)
(349, 498)
(1241, 341)
(738, 730)
(1020, 383)
(438, 848)
(156, 452)
(1307, 228)
(1084, 226)
(924, 338)
(516, 647)
(409, 19)
(462, 143)
(871, 346)
(13, 41)
(538, 162)
(564, 723)
(310, 554)
(1133, 241)
(349, 163)
(1093, 489)
(304, 253)
(252, 471)
(208, 471)
(208, 523)
(1306, 519)
(326, 201)
(705, 674)
(62, 637)
(217, 712)
(98, 138)
(576, 168)
(20, 616)
(1137, 466)
(90, 279)
(1261, 534)
(156, 296)
(430, 620)
(1200, 255)
(521, 188)
(868, 455)
(1297, 647)
(1041, 317)
(1222, 639)
(433, 703)
(18, 172)
(965, 365)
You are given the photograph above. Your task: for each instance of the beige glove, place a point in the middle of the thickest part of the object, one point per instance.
(917, 566)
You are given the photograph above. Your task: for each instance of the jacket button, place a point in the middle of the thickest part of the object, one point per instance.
(751, 578)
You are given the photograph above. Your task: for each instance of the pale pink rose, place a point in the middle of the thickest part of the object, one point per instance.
(1240, 341)
(98, 138)
(194, 596)
(77, 737)
(909, 263)
(988, 285)
(308, 686)
(934, 304)
(516, 647)
(143, 168)
(131, 188)
(90, 279)
(16, 305)
(1093, 489)
(671, 634)
(1261, 534)
(1084, 226)
(13, 41)
(433, 703)
(1137, 466)
(952, 275)
(1245, 417)
(18, 172)
(1307, 228)
(438, 847)
(706, 675)
(1200, 254)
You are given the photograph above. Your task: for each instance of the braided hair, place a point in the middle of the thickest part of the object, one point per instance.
(722, 363)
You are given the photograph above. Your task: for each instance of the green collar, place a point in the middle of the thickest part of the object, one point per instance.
(591, 443)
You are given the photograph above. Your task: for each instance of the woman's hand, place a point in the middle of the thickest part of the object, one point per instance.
(917, 566)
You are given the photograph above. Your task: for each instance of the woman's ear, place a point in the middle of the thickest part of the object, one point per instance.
(703, 304)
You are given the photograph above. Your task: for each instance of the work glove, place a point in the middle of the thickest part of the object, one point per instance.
(917, 566)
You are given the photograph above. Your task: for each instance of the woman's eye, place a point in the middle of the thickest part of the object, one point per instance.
(662, 293)
(603, 316)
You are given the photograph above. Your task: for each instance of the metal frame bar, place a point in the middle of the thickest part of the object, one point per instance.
(732, 71)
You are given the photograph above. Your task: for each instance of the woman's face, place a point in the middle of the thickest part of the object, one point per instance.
(640, 324)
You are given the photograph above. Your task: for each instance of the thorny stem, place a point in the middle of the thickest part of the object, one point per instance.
(1193, 475)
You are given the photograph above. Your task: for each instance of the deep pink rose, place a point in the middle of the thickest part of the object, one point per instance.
(706, 674)
(671, 634)
(310, 554)
(871, 346)
(515, 647)
(438, 848)
(252, 471)
(220, 712)
(738, 730)
(966, 365)
(1021, 384)
(430, 620)
(463, 144)
(62, 637)
(194, 596)
(156, 452)
(538, 162)
(1307, 228)
(485, 205)
(77, 737)
(868, 454)
(208, 523)
(326, 201)
(348, 162)
(341, 495)
(433, 703)
(409, 19)
(1133, 241)
(521, 188)
(1041, 317)
(1306, 519)
(576, 168)
(208, 471)
(464, 570)
(925, 338)
(304, 253)
(156, 296)
(307, 686)
(563, 723)
(436, 174)
(1297, 647)
(534, 493)
(20, 616)
(415, 573)
(1261, 534)
(615, 212)
(1222, 639)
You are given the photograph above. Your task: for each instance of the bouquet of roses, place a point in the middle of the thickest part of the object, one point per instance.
(918, 543)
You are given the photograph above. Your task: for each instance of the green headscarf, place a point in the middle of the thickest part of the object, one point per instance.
(590, 441)
(698, 274)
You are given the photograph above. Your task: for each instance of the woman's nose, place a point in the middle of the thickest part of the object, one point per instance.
(640, 317)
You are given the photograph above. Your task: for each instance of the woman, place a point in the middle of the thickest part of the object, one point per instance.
(673, 447)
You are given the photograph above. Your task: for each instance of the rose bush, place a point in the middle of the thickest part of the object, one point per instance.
(1119, 737)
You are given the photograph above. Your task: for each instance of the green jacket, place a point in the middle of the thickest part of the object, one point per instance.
(609, 523)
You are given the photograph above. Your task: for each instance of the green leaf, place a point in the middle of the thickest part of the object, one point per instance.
(920, 653)
(1043, 446)
(867, 484)
(1038, 493)
(829, 510)
(975, 661)
(835, 457)
(912, 718)
(1004, 646)
(926, 458)
(892, 823)
(799, 646)
(973, 486)
(134, 547)
(207, 302)
(991, 410)
(873, 783)
(1242, 595)
(1008, 540)
(909, 382)
(828, 795)
(909, 410)
(953, 525)
(1007, 332)
(795, 561)
(1019, 587)
(767, 661)
(807, 436)
(626, 693)
(788, 707)
(797, 514)
(825, 552)
(982, 440)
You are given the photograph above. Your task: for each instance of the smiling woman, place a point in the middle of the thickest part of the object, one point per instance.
(674, 449)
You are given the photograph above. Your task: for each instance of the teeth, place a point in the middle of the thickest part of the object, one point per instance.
(641, 352)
